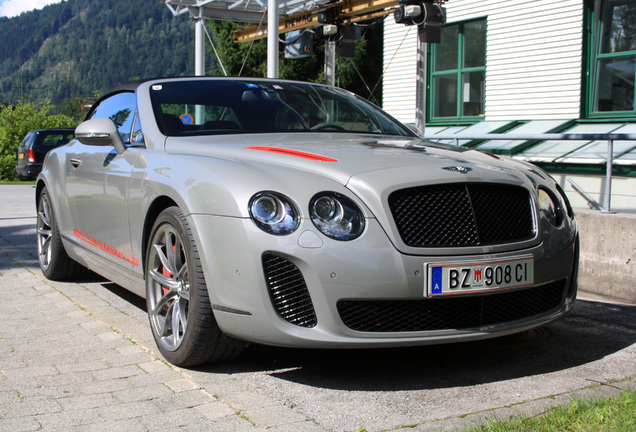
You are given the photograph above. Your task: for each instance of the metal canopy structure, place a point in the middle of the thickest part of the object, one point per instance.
(284, 16)
(252, 11)
(238, 10)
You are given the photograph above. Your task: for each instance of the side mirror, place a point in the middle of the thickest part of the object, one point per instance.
(414, 129)
(100, 132)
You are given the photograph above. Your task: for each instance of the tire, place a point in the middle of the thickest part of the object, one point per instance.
(54, 261)
(179, 309)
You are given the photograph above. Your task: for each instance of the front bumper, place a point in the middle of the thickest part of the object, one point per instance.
(305, 290)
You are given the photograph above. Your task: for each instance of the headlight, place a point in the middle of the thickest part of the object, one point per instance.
(549, 206)
(274, 213)
(336, 216)
(566, 201)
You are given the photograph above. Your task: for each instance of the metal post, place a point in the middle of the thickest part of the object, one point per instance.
(608, 176)
(330, 61)
(272, 39)
(421, 71)
(199, 46)
(199, 61)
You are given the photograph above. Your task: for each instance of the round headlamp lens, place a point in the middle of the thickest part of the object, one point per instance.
(549, 208)
(336, 216)
(274, 213)
(268, 209)
(327, 208)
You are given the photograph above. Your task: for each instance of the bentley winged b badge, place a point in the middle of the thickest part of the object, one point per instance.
(458, 169)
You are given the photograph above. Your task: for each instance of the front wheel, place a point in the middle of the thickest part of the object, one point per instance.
(54, 261)
(179, 308)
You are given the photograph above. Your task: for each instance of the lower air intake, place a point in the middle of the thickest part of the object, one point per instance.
(458, 312)
(288, 291)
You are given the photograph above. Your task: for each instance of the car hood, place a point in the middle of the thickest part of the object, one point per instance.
(371, 167)
(356, 161)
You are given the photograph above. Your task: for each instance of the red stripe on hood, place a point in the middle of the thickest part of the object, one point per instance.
(296, 153)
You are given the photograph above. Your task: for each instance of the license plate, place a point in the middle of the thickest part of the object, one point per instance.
(474, 277)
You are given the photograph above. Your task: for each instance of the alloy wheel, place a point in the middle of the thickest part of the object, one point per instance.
(169, 287)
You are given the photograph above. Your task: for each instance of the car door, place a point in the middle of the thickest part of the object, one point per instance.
(98, 182)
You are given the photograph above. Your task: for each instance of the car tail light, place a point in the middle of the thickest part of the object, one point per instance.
(31, 155)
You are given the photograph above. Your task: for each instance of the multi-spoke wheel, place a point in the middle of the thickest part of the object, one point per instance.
(179, 308)
(54, 261)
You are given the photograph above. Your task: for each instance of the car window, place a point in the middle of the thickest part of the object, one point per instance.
(137, 136)
(52, 140)
(236, 106)
(121, 109)
(27, 139)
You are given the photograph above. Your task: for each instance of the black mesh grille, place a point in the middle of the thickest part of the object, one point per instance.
(288, 291)
(458, 312)
(453, 215)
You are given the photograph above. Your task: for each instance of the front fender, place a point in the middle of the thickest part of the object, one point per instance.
(53, 177)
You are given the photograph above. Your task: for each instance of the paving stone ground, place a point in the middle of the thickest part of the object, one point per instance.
(70, 360)
(62, 368)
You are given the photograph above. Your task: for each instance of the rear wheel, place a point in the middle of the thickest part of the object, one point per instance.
(179, 308)
(54, 261)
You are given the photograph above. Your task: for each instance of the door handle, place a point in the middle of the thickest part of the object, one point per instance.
(76, 162)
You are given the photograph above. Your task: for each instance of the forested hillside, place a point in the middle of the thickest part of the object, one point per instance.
(78, 47)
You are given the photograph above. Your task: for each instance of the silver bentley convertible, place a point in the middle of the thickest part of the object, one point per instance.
(296, 214)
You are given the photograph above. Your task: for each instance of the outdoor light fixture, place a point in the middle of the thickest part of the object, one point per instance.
(428, 15)
(330, 30)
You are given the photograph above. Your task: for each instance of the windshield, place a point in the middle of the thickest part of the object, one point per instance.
(210, 107)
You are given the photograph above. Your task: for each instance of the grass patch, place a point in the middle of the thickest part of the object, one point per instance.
(17, 182)
(613, 414)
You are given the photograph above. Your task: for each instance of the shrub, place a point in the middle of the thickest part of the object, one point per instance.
(15, 122)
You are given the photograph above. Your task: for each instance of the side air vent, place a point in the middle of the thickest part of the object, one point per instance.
(288, 291)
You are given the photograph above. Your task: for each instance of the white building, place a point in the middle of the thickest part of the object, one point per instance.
(528, 67)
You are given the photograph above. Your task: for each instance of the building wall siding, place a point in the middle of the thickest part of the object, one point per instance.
(399, 64)
(533, 59)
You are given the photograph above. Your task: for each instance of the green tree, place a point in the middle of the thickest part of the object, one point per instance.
(16, 121)
(359, 74)
(74, 108)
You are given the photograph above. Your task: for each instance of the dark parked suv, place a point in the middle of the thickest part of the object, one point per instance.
(35, 145)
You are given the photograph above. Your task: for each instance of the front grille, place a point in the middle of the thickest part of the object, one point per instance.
(455, 215)
(457, 312)
(288, 291)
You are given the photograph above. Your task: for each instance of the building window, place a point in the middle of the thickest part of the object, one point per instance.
(458, 68)
(613, 54)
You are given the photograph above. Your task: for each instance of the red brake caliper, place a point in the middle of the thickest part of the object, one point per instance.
(166, 273)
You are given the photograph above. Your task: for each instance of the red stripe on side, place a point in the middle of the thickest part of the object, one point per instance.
(296, 153)
(106, 247)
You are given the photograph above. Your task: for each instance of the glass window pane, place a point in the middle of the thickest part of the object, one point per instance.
(52, 140)
(615, 84)
(531, 128)
(596, 151)
(446, 50)
(473, 93)
(137, 136)
(475, 44)
(627, 158)
(618, 31)
(550, 150)
(120, 108)
(445, 95)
